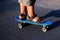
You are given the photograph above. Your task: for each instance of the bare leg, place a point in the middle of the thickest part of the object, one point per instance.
(23, 8)
(30, 10)
(23, 11)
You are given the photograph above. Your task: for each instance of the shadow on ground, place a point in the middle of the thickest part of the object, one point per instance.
(54, 13)
(54, 25)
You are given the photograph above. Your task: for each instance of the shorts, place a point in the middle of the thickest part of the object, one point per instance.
(28, 2)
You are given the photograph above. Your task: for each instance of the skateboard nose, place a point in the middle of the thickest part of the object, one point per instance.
(16, 18)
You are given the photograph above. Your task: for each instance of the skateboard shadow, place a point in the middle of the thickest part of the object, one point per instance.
(26, 24)
(55, 13)
(54, 25)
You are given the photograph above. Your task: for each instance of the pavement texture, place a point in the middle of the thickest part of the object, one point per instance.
(9, 30)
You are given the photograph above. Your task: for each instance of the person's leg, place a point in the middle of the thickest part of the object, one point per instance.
(23, 10)
(30, 10)
(32, 16)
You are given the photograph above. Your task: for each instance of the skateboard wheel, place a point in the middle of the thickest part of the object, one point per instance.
(20, 25)
(47, 27)
(44, 29)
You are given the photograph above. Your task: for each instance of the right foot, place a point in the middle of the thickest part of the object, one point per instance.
(36, 19)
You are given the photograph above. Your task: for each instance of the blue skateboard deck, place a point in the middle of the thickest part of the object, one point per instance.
(44, 24)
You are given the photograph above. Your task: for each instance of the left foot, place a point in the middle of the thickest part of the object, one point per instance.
(22, 16)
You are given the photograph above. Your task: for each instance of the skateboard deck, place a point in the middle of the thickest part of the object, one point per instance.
(44, 24)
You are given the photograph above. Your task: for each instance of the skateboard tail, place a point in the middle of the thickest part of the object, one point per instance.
(48, 22)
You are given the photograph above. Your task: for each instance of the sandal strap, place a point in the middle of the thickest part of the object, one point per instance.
(23, 15)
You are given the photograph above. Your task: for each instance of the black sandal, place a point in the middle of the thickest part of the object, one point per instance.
(22, 16)
(38, 19)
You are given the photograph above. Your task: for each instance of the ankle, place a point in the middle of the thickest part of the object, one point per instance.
(22, 13)
(31, 15)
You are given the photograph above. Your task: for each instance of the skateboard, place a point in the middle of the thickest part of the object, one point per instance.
(45, 25)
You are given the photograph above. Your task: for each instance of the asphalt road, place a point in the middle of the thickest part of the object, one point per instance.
(9, 9)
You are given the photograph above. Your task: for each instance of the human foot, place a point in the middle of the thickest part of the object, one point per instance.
(36, 19)
(22, 16)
